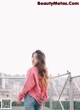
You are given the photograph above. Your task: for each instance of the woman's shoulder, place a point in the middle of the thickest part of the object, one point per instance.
(33, 69)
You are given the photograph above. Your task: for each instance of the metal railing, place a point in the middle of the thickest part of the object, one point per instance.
(61, 88)
(64, 91)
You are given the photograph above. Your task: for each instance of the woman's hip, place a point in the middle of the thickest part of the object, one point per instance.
(29, 102)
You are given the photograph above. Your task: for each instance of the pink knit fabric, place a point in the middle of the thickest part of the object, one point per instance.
(31, 86)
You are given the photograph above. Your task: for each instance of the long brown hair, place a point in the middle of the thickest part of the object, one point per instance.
(43, 72)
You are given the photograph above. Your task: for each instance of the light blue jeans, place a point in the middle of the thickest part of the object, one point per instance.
(31, 104)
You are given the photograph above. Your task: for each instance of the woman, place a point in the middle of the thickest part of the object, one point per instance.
(35, 89)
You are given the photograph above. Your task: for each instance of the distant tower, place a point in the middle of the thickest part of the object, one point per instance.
(2, 81)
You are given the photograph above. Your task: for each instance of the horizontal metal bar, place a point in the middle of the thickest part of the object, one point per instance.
(12, 77)
(75, 76)
(60, 75)
(50, 78)
(25, 77)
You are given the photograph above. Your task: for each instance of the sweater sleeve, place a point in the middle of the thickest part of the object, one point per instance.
(28, 85)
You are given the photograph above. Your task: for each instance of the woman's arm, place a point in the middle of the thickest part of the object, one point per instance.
(28, 85)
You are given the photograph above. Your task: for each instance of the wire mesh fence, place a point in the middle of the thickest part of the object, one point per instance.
(64, 92)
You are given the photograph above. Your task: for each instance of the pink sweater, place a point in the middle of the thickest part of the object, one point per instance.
(31, 86)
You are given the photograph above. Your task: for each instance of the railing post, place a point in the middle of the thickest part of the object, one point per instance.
(71, 92)
(51, 95)
(42, 107)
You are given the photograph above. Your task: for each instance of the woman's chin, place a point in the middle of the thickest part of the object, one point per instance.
(33, 64)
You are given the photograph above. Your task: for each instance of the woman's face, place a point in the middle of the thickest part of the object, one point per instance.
(34, 59)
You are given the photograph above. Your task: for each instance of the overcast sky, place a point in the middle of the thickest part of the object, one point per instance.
(25, 27)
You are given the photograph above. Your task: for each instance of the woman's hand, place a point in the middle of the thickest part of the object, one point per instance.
(18, 102)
